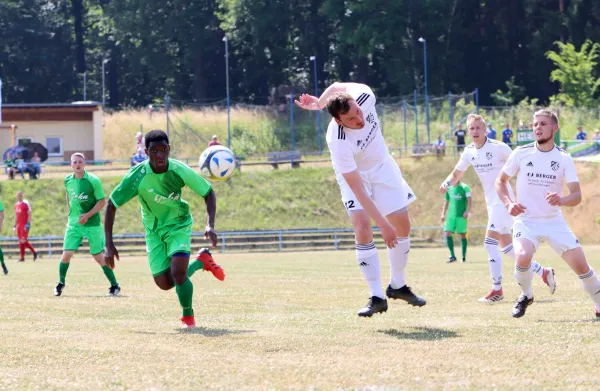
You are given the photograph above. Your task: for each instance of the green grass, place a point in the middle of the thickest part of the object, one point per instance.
(288, 321)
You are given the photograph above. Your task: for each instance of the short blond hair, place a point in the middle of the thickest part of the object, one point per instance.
(77, 154)
(546, 113)
(475, 117)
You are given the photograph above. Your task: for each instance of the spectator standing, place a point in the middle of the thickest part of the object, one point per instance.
(460, 138)
(507, 133)
(581, 134)
(491, 132)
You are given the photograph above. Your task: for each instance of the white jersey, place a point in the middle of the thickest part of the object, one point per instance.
(487, 162)
(537, 174)
(360, 149)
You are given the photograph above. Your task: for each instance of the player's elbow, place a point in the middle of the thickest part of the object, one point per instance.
(102, 203)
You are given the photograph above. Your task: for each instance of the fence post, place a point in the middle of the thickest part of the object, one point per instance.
(335, 240)
(477, 100)
(49, 246)
(280, 242)
(292, 119)
(416, 117)
(451, 116)
(167, 112)
(223, 243)
(404, 116)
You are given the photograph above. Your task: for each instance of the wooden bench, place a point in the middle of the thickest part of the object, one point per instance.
(294, 157)
(420, 150)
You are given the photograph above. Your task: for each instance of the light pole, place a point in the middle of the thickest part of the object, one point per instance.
(424, 42)
(103, 90)
(314, 60)
(228, 99)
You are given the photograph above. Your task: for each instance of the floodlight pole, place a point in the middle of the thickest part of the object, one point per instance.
(424, 42)
(228, 96)
(314, 60)
(103, 88)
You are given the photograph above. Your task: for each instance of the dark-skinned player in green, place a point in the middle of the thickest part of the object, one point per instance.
(158, 183)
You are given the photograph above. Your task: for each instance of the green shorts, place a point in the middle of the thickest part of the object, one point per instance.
(162, 243)
(75, 233)
(456, 225)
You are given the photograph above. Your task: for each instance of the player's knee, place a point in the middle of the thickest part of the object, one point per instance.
(163, 284)
(179, 277)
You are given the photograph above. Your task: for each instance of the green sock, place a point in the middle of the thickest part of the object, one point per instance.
(194, 266)
(450, 242)
(2, 258)
(463, 243)
(185, 292)
(62, 271)
(110, 275)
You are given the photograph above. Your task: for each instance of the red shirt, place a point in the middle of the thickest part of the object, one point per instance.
(211, 143)
(22, 212)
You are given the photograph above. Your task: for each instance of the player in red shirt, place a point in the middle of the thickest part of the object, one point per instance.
(22, 225)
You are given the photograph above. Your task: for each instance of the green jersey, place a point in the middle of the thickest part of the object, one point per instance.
(457, 199)
(160, 194)
(83, 195)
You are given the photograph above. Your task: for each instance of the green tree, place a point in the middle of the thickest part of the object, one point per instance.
(575, 72)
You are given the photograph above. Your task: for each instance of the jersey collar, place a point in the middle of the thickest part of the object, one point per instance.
(483, 145)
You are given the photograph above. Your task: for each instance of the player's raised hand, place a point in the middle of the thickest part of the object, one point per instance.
(554, 199)
(388, 232)
(444, 186)
(515, 209)
(210, 234)
(110, 253)
(308, 102)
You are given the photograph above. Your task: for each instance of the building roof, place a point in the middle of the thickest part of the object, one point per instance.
(43, 105)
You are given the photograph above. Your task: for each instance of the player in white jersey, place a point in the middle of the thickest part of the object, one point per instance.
(487, 156)
(372, 187)
(542, 169)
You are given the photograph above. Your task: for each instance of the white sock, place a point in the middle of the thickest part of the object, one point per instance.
(524, 276)
(368, 260)
(536, 267)
(495, 261)
(591, 284)
(398, 257)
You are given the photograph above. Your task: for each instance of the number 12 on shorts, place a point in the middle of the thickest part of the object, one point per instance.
(349, 204)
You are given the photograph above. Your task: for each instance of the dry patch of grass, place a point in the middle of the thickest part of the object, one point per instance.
(288, 321)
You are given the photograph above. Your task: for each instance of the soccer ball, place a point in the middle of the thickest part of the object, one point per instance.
(217, 163)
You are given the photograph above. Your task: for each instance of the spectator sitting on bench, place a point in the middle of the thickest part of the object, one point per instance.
(35, 167)
(10, 166)
(138, 158)
(440, 146)
(21, 165)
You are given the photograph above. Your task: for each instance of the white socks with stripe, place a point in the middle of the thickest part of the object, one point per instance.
(536, 267)
(368, 260)
(398, 257)
(495, 261)
(524, 276)
(591, 284)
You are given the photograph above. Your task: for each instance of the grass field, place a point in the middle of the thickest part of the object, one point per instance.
(288, 321)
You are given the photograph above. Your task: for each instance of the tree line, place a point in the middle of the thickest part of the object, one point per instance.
(152, 48)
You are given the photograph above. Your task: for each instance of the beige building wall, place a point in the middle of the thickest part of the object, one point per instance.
(98, 129)
(75, 135)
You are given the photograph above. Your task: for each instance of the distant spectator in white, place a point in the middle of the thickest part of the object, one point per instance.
(440, 146)
(596, 135)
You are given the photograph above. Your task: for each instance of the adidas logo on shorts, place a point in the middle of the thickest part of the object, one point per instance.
(492, 226)
(363, 263)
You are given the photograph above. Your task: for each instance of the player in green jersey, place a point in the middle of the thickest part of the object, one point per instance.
(158, 183)
(457, 204)
(4, 269)
(85, 199)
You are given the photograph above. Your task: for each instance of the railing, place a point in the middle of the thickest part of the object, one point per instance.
(245, 241)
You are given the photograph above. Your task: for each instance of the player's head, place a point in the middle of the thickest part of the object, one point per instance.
(346, 112)
(157, 149)
(77, 162)
(20, 196)
(580, 129)
(476, 127)
(545, 126)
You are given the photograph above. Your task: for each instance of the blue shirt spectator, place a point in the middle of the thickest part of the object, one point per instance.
(506, 135)
(137, 158)
(582, 135)
(491, 132)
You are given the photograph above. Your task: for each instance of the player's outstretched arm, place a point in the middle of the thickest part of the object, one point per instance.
(451, 180)
(388, 231)
(110, 252)
(211, 210)
(502, 189)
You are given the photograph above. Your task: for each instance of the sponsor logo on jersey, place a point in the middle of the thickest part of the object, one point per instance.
(554, 165)
(489, 155)
(159, 199)
(518, 235)
(370, 118)
(409, 196)
(492, 226)
(542, 176)
(530, 164)
(358, 142)
(81, 197)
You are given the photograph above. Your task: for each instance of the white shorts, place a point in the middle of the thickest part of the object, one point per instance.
(499, 220)
(384, 184)
(555, 232)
